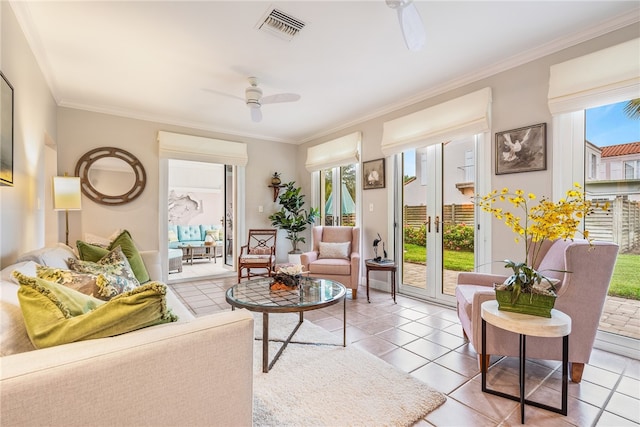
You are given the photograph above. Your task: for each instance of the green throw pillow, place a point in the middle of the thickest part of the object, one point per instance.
(89, 252)
(115, 267)
(55, 314)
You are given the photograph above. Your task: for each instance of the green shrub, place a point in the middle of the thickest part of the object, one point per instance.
(458, 237)
(416, 235)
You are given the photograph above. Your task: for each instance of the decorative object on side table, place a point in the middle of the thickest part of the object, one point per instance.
(527, 287)
(292, 217)
(287, 278)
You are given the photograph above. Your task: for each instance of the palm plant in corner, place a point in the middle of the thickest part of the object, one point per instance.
(545, 221)
(292, 217)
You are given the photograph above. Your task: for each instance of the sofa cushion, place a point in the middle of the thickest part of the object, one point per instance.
(86, 283)
(55, 314)
(341, 267)
(89, 252)
(115, 267)
(27, 268)
(190, 232)
(334, 250)
(56, 256)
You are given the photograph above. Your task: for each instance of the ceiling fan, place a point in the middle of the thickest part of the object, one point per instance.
(255, 100)
(410, 23)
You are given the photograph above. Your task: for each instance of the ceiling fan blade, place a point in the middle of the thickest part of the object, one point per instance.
(412, 27)
(219, 93)
(280, 97)
(256, 114)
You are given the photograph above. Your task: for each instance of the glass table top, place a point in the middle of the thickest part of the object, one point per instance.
(311, 293)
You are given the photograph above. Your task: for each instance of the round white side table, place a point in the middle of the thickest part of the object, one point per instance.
(559, 325)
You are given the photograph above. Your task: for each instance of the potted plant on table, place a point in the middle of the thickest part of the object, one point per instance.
(292, 217)
(528, 290)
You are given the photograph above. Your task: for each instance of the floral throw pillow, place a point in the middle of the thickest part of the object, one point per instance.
(114, 267)
(86, 283)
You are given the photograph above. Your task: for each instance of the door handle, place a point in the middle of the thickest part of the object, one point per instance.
(437, 223)
(428, 224)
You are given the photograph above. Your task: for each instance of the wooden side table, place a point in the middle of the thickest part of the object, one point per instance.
(392, 267)
(559, 325)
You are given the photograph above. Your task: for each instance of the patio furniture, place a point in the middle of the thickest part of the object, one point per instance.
(584, 272)
(258, 253)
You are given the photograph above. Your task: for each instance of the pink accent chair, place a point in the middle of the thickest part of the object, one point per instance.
(581, 295)
(344, 270)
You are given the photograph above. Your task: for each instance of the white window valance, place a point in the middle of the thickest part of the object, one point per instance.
(467, 115)
(604, 77)
(196, 148)
(337, 152)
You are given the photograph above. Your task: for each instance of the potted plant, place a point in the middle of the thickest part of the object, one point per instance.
(528, 290)
(292, 217)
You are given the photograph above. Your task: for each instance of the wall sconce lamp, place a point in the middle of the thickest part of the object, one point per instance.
(67, 196)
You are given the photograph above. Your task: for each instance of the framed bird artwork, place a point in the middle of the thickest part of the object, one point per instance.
(521, 150)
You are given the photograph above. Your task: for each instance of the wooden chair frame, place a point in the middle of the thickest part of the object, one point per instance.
(264, 242)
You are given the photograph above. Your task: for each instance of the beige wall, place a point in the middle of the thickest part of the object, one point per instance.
(519, 99)
(80, 131)
(26, 213)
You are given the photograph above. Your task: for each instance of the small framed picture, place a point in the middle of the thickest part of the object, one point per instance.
(522, 150)
(6, 131)
(373, 174)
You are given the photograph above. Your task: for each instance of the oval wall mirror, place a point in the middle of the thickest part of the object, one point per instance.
(111, 176)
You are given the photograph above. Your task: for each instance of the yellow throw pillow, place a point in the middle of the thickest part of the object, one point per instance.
(55, 314)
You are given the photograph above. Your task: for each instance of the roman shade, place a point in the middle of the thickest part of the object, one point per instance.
(337, 152)
(200, 149)
(467, 115)
(604, 77)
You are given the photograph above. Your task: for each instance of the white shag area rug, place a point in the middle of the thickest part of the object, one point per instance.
(331, 385)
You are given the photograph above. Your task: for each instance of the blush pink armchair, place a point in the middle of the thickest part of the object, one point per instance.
(335, 263)
(581, 295)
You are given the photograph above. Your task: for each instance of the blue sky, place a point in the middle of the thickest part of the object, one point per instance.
(609, 125)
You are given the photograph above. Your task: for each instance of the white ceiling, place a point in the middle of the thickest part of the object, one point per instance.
(187, 63)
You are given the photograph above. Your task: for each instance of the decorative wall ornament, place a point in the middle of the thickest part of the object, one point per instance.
(111, 176)
(521, 150)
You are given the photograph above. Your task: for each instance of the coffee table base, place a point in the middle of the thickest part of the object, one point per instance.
(266, 365)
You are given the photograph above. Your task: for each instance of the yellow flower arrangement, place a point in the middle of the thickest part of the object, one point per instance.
(545, 220)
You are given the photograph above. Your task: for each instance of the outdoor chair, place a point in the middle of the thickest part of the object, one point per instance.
(584, 272)
(335, 255)
(258, 254)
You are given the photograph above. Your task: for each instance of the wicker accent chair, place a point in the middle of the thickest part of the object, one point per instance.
(584, 272)
(259, 253)
(341, 266)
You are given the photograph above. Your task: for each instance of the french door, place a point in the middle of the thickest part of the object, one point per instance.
(438, 224)
(338, 196)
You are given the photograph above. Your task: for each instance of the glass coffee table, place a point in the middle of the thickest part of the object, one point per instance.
(312, 294)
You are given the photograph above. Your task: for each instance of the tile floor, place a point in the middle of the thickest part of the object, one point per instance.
(426, 341)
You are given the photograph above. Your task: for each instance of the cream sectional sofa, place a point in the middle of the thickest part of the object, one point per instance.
(198, 371)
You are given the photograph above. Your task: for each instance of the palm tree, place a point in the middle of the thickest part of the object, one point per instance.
(632, 109)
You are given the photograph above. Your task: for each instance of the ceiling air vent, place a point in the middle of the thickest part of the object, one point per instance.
(280, 24)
